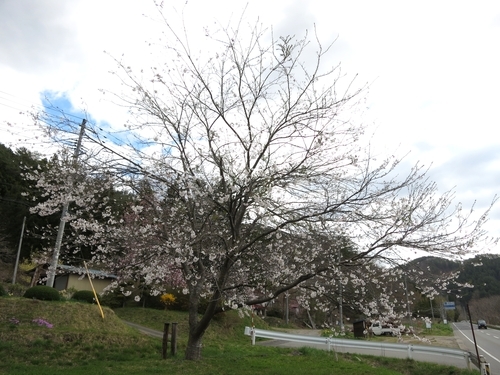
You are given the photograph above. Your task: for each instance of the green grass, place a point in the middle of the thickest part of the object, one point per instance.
(82, 343)
(438, 329)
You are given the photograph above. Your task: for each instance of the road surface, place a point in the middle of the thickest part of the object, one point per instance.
(488, 343)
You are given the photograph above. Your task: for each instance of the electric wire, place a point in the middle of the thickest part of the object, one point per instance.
(50, 116)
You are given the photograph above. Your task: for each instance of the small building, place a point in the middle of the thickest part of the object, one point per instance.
(359, 328)
(73, 277)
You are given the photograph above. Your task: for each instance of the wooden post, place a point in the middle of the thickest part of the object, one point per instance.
(173, 344)
(93, 289)
(165, 341)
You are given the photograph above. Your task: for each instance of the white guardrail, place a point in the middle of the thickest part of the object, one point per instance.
(340, 345)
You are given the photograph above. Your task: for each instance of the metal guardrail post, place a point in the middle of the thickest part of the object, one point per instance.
(468, 360)
(328, 344)
(410, 349)
(484, 366)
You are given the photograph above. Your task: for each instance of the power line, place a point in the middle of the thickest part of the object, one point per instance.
(26, 105)
(56, 126)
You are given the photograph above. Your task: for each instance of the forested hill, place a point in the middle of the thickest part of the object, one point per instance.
(483, 272)
(18, 194)
(434, 265)
(13, 205)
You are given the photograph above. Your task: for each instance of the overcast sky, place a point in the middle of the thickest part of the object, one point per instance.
(433, 69)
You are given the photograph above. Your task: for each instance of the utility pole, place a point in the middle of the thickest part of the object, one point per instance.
(341, 312)
(474, 337)
(51, 275)
(432, 308)
(287, 307)
(407, 300)
(18, 252)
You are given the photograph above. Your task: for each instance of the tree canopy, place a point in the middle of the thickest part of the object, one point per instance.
(241, 158)
(16, 198)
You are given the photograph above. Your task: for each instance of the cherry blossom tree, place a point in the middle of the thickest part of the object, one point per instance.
(249, 152)
(93, 201)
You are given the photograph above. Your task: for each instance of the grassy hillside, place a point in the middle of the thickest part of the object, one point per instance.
(80, 342)
(64, 336)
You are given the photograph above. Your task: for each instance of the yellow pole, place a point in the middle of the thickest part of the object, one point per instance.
(92, 285)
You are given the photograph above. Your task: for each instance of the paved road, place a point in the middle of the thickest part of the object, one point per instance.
(488, 343)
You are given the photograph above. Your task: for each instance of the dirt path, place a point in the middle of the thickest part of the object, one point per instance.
(145, 330)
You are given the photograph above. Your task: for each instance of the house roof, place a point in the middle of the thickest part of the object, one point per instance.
(82, 270)
(76, 270)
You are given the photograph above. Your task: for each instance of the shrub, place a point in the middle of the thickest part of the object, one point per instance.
(67, 293)
(2, 291)
(84, 296)
(45, 293)
(153, 302)
(167, 299)
(275, 313)
(112, 299)
(16, 290)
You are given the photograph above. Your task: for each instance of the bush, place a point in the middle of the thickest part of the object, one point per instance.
(2, 291)
(16, 290)
(42, 292)
(275, 313)
(153, 302)
(84, 296)
(167, 299)
(112, 300)
(67, 294)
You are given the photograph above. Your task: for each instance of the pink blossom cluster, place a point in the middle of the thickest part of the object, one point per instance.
(42, 323)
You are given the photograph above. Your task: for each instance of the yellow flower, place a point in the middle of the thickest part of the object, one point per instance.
(167, 299)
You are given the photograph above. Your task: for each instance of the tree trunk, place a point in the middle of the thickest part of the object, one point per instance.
(197, 326)
(313, 325)
(193, 350)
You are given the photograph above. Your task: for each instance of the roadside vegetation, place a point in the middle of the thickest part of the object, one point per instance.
(61, 337)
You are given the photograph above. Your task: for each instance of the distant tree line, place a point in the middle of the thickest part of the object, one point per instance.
(482, 273)
(15, 203)
(18, 194)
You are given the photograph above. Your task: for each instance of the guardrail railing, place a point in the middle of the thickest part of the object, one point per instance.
(337, 344)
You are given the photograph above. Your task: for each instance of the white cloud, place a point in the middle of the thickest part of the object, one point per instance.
(38, 37)
(433, 67)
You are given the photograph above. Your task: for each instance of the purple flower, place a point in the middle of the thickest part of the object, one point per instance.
(41, 322)
(14, 321)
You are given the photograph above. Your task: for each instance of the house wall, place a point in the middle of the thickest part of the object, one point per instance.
(61, 282)
(84, 284)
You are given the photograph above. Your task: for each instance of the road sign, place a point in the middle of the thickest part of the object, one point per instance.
(449, 305)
